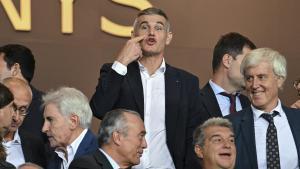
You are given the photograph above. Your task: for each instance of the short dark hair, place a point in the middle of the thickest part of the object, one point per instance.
(6, 96)
(15, 53)
(153, 11)
(231, 43)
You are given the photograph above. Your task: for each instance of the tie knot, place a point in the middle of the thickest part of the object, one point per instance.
(228, 95)
(269, 117)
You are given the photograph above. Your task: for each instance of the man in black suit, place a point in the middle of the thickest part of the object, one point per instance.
(121, 141)
(166, 97)
(22, 146)
(18, 61)
(267, 133)
(227, 79)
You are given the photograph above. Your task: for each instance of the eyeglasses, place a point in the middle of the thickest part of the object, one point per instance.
(22, 110)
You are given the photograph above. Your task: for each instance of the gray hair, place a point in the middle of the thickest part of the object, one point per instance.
(113, 121)
(70, 101)
(29, 164)
(152, 11)
(199, 135)
(271, 56)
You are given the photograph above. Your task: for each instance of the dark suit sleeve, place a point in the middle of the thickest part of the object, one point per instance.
(82, 163)
(107, 91)
(194, 119)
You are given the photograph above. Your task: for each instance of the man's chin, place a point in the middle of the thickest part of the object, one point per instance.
(149, 53)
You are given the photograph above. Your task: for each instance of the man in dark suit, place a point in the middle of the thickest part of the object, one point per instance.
(18, 61)
(227, 79)
(22, 146)
(267, 133)
(121, 141)
(166, 97)
(67, 119)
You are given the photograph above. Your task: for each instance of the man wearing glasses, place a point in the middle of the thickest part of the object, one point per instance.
(21, 146)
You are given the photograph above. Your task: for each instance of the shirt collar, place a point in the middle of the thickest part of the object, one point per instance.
(218, 89)
(113, 163)
(72, 148)
(257, 113)
(16, 139)
(161, 69)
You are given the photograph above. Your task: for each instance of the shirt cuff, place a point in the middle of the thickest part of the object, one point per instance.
(119, 68)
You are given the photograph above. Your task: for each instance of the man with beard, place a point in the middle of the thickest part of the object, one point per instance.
(165, 96)
(221, 95)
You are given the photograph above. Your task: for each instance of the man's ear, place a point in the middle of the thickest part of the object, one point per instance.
(116, 138)
(199, 151)
(15, 70)
(226, 60)
(74, 121)
(169, 38)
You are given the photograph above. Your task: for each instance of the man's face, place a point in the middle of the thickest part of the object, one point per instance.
(219, 149)
(234, 74)
(22, 100)
(132, 144)
(6, 114)
(262, 86)
(4, 71)
(56, 126)
(155, 27)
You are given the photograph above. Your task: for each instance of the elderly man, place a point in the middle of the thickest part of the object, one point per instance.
(214, 144)
(121, 140)
(267, 133)
(67, 117)
(21, 145)
(29, 165)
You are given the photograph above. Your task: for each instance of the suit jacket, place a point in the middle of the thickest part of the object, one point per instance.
(243, 124)
(91, 161)
(33, 148)
(34, 120)
(88, 145)
(181, 99)
(210, 106)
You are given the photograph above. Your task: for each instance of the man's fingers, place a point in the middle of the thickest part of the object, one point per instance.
(138, 38)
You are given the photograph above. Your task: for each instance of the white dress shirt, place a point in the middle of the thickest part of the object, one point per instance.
(223, 101)
(287, 148)
(14, 150)
(156, 155)
(112, 162)
(71, 150)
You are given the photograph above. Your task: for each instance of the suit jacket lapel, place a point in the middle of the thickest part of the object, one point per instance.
(244, 101)
(135, 82)
(102, 160)
(172, 97)
(87, 144)
(210, 101)
(25, 146)
(293, 117)
(247, 127)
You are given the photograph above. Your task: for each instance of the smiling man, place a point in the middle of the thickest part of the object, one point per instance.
(267, 133)
(67, 117)
(166, 97)
(214, 144)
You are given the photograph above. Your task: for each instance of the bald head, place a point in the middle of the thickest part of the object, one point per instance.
(22, 99)
(19, 88)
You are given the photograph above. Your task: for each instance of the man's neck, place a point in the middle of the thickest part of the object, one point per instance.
(115, 155)
(151, 63)
(9, 136)
(222, 80)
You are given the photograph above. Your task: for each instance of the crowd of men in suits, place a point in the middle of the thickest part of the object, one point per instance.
(153, 114)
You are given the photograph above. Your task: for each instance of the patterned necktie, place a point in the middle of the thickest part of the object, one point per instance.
(273, 160)
(232, 98)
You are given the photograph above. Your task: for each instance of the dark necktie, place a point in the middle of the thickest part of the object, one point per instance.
(232, 98)
(273, 160)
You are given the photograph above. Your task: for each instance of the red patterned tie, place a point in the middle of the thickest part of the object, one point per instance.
(232, 98)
